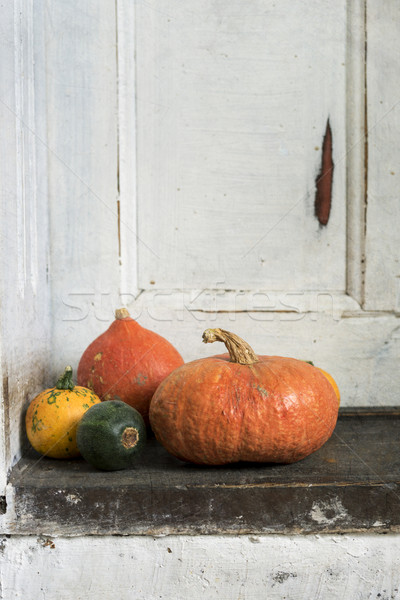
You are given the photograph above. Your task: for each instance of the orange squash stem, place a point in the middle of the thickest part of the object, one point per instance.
(239, 350)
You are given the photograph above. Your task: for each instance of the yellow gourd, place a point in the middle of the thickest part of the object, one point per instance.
(53, 416)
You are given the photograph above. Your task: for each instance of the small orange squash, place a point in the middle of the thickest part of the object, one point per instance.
(53, 416)
(127, 361)
(329, 378)
(243, 407)
(332, 382)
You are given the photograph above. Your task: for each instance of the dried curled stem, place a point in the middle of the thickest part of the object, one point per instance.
(239, 351)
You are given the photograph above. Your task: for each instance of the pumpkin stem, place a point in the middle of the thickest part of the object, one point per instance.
(239, 350)
(122, 313)
(65, 380)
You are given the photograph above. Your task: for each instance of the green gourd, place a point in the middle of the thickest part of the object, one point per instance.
(112, 437)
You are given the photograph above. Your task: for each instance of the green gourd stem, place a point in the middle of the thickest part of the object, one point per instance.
(65, 381)
(239, 351)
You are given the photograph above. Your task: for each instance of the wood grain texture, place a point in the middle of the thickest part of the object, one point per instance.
(232, 105)
(352, 483)
(382, 274)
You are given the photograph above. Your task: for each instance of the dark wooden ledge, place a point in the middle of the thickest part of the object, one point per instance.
(351, 484)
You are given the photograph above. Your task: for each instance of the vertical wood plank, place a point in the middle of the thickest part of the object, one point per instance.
(382, 277)
(126, 82)
(355, 148)
(24, 288)
(83, 171)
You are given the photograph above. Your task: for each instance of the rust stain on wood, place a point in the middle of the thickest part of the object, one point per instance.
(323, 196)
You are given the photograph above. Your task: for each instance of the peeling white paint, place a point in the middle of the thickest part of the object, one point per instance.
(73, 498)
(329, 512)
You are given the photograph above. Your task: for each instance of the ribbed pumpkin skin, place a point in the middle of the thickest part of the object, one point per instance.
(127, 361)
(213, 411)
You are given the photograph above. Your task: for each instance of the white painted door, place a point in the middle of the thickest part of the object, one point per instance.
(201, 142)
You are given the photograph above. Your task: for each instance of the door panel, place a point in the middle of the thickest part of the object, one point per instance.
(382, 251)
(232, 108)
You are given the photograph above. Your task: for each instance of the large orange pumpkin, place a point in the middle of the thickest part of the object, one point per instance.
(243, 407)
(127, 361)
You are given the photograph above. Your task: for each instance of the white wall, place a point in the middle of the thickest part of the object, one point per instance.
(180, 567)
